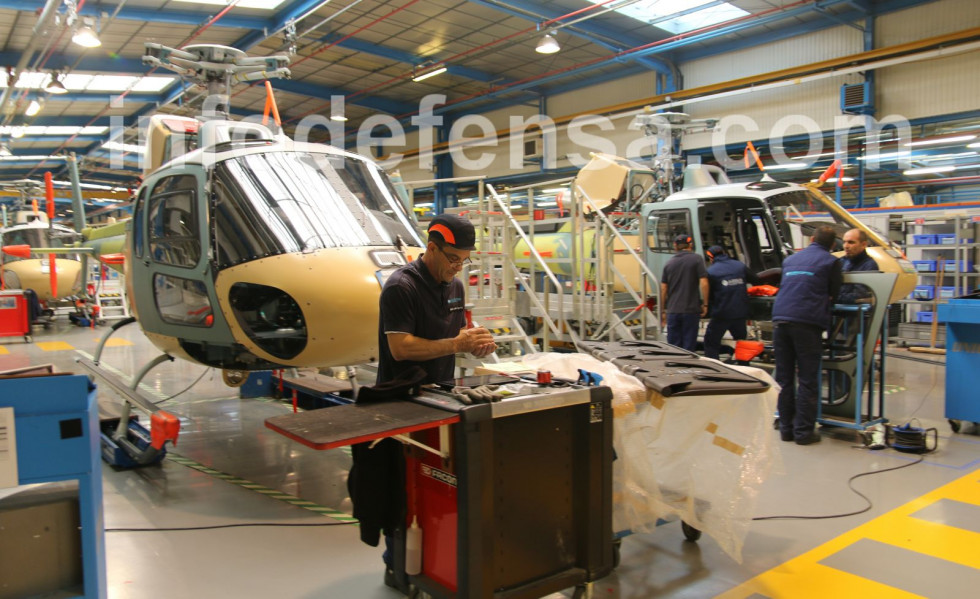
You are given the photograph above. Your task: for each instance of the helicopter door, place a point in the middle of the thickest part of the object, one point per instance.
(663, 222)
(757, 241)
(172, 275)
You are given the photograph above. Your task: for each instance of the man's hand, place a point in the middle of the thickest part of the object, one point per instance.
(475, 340)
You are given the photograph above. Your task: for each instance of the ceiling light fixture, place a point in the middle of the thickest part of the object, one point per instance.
(33, 108)
(5, 150)
(432, 73)
(941, 140)
(929, 170)
(55, 86)
(339, 117)
(17, 132)
(86, 36)
(547, 45)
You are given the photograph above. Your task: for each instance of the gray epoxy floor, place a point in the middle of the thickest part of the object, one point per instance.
(227, 434)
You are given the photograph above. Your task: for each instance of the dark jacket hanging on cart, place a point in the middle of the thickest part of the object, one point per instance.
(376, 482)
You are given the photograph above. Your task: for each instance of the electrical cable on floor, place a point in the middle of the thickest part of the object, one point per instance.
(849, 484)
(186, 389)
(215, 526)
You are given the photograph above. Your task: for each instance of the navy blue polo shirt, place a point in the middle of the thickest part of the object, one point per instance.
(413, 302)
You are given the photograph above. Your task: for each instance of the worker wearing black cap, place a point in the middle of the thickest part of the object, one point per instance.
(684, 292)
(422, 324)
(729, 306)
(423, 307)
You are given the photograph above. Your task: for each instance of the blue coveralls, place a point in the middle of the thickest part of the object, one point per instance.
(801, 314)
(728, 302)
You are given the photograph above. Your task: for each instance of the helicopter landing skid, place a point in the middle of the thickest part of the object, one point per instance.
(125, 442)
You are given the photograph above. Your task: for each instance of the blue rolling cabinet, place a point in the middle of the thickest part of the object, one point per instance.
(55, 433)
(962, 317)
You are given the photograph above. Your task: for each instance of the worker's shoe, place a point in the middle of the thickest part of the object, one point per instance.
(392, 581)
(786, 436)
(811, 438)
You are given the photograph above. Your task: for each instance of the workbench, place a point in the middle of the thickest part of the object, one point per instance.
(514, 498)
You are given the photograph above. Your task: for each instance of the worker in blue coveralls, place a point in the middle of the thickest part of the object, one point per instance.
(811, 280)
(684, 292)
(728, 281)
(856, 259)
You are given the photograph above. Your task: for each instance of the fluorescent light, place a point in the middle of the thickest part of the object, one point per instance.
(976, 145)
(941, 140)
(20, 130)
(30, 158)
(946, 156)
(120, 147)
(833, 180)
(33, 108)
(338, 117)
(888, 156)
(5, 151)
(547, 45)
(784, 167)
(554, 190)
(808, 156)
(432, 73)
(929, 170)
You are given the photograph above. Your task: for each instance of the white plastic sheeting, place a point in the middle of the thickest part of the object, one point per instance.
(701, 459)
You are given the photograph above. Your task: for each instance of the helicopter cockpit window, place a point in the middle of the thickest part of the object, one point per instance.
(278, 202)
(182, 301)
(664, 226)
(799, 213)
(172, 222)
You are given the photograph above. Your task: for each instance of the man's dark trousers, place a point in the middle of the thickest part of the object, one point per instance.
(716, 330)
(682, 330)
(797, 347)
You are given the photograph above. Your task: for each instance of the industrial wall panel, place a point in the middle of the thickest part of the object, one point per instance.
(936, 87)
(805, 49)
(927, 20)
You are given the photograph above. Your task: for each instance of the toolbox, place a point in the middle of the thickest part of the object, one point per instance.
(14, 316)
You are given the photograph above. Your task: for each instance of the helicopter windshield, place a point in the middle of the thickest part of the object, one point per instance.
(279, 202)
(798, 214)
(38, 237)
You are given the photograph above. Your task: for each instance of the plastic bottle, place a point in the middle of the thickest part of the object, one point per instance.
(413, 548)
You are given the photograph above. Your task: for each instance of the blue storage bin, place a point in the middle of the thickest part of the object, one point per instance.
(924, 316)
(925, 265)
(923, 292)
(924, 239)
(946, 239)
(948, 292)
(951, 266)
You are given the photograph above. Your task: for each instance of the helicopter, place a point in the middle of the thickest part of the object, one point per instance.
(247, 250)
(30, 252)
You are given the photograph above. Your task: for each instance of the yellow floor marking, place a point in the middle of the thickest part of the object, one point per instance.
(4, 350)
(53, 345)
(114, 342)
(803, 576)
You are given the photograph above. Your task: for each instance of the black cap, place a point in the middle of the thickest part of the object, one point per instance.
(715, 251)
(682, 240)
(454, 230)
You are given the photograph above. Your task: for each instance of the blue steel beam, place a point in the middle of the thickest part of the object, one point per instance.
(96, 64)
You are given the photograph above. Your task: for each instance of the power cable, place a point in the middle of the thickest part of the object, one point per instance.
(849, 484)
(185, 389)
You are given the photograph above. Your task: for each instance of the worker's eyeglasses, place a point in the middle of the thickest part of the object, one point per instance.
(455, 261)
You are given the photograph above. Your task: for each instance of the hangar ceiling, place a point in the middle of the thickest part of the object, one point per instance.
(365, 51)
